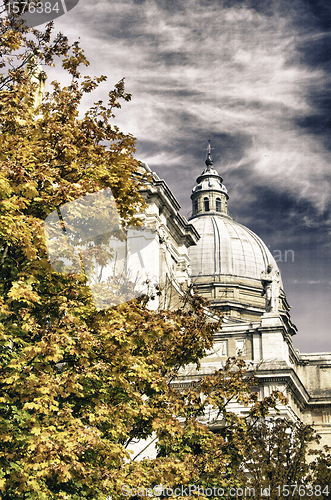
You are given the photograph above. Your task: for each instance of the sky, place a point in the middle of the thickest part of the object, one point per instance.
(252, 76)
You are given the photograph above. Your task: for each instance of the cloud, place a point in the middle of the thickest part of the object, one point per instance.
(200, 68)
(252, 76)
(307, 282)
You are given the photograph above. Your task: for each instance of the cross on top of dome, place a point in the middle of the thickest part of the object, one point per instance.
(209, 161)
(209, 171)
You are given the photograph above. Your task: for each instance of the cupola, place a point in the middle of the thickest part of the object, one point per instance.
(209, 196)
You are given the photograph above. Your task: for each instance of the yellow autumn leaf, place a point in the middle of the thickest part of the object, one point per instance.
(36, 431)
(23, 292)
(30, 190)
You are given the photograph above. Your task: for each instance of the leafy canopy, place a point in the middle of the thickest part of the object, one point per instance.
(78, 386)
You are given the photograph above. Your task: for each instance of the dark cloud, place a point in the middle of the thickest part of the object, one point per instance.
(273, 209)
(319, 13)
(285, 222)
(173, 58)
(307, 15)
(225, 147)
(316, 51)
(252, 76)
(318, 124)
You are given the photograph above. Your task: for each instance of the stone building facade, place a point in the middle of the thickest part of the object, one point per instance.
(158, 251)
(233, 268)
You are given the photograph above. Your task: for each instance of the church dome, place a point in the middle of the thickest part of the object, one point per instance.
(225, 247)
(228, 248)
(230, 263)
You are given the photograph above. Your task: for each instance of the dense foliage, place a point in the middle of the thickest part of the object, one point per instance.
(79, 385)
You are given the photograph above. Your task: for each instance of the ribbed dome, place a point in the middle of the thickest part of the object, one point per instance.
(227, 248)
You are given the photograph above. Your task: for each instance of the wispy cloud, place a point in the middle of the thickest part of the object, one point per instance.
(205, 69)
(253, 76)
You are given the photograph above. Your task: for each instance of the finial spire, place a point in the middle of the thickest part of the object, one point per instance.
(209, 161)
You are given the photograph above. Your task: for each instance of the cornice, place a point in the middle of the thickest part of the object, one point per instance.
(167, 202)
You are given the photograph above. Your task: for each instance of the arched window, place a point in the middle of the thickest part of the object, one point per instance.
(206, 201)
(218, 205)
(195, 206)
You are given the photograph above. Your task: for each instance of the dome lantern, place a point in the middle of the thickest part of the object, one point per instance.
(209, 196)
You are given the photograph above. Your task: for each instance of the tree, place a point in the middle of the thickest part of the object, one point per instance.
(213, 440)
(277, 458)
(319, 476)
(282, 458)
(17, 47)
(78, 384)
